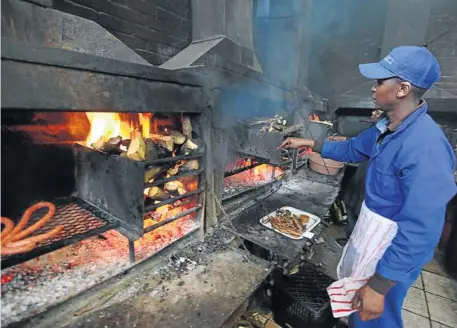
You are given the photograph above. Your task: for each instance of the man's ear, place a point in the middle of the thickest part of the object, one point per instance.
(405, 89)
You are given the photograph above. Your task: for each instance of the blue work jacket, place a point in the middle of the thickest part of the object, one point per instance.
(410, 180)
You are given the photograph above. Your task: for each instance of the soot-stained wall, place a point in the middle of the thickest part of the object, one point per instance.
(442, 31)
(156, 29)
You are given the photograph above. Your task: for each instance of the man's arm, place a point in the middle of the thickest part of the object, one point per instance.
(428, 184)
(355, 150)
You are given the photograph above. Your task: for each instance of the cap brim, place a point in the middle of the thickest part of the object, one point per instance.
(375, 71)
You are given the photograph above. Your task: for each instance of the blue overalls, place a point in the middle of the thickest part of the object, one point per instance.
(410, 180)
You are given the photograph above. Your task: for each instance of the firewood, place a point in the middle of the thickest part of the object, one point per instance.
(115, 141)
(126, 143)
(98, 145)
(291, 129)
(178, 137)
(152, 173)
(173, 171)
(155, 193)
(152, 149)
(173, 185)
(164, 141)
(190, 165)
(187, 148)
(112, 146)
(191, 145)
(137, 148)
(186, 126)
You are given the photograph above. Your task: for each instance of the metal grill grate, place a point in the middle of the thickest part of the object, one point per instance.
(80, 220)
(301, 300)
(308, 287)
(239, 164)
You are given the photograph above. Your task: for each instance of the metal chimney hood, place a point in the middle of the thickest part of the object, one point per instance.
(221, 28)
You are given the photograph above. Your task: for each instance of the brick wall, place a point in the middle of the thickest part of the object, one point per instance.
(443, 18)
(156, 29)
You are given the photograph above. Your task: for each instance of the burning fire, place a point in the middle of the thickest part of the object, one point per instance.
(111, 125)
(313, 117)
(252, 178)
(266, 172)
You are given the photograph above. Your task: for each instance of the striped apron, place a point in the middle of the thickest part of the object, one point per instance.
(369, 240)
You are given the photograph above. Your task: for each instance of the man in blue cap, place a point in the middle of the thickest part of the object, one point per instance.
(408, 184)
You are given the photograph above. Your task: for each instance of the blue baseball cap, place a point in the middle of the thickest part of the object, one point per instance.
(417, 65)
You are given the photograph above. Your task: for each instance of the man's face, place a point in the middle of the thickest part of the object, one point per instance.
(384, 93)
(388, 93)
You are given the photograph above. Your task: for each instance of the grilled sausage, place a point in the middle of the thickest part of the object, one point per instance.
(36, 239)
(17, 250)
(18, 234)
(9, 226)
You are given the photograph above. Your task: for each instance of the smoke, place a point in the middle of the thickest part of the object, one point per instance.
(343, 35)
(281, 47)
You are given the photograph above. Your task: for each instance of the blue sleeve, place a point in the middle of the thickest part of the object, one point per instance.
(355, 150)
(427, 183)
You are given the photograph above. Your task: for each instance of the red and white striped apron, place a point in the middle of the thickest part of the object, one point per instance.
(369, 240)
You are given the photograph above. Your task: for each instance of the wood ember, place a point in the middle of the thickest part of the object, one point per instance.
(37, 285)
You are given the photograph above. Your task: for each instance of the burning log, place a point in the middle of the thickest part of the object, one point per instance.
(152, 173)
(152, 150)
(178, 137)
(186, 126)
(187, 148)
(98, 145)
(126, 143)
(112, 146)
(165, 142)
(155, 193)
(190, 165)
(175, 186)
(137, 148)
(182, 191)
(173, 171)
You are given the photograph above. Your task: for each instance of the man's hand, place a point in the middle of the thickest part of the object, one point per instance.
(369, 304)
(294, 143)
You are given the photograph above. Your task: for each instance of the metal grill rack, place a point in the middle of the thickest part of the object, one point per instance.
(80, 220)
(199, 191)
(240, 164)
(302, 299)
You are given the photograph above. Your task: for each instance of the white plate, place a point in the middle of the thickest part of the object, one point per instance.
(312, 223)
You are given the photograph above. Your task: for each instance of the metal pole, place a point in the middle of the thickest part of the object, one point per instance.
(131, 251)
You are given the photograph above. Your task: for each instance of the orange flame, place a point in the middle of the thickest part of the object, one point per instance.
(313, 117)
(112, 125)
